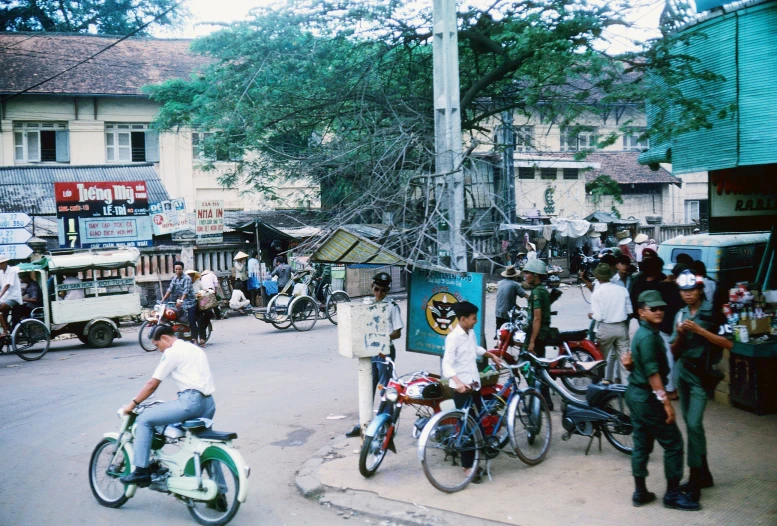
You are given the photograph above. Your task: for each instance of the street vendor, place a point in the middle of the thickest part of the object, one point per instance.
(693, 344)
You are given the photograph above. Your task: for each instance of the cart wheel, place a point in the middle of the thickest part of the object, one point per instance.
(303, 313)
(100, 335)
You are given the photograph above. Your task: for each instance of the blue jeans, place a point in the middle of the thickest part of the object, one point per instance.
(187, 406)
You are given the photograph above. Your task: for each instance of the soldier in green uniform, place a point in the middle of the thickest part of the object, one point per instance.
(538, 330)
(694, 339)
(652, 414)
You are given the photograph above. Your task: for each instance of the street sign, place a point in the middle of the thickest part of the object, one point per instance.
(9, 236)
(14, 220)
(15, 251)
(209, 222)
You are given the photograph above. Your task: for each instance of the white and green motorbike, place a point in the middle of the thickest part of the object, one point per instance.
(205, 472)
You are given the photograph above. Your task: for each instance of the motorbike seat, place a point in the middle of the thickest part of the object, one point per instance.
(209, 434)
(545, 362)
(590, 366)
(567, 336)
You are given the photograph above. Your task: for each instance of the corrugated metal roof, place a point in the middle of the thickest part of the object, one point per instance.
(30, 189)
(346, 247)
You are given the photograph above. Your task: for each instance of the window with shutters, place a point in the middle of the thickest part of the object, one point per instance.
(633, 140)
(41, 142)
(526, 173)
(205, 147)
(131, 143)
(524, 138)
(580, 138)
(570, 173)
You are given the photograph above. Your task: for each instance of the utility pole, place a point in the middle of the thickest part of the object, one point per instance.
(447, 133)
(507, 139)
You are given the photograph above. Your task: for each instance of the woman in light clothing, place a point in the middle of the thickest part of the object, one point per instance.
(238, 301)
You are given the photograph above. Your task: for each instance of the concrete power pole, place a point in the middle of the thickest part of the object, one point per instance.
(447, 131)
(507, 139)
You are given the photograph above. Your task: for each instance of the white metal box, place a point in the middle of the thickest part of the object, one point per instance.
(362, 330)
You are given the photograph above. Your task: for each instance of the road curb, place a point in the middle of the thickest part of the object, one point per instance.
(349, 503)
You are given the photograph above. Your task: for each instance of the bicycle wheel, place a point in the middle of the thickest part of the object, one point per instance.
(528, 419)
(373, 451)
(277, 311)
(30, 340)
(331, 304)
(144, 336)
(304, 313)
(618, 430)
(104, 477)
(579, 384)
(443, 443)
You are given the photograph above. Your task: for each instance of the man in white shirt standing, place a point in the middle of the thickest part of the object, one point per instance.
(188, 365)
(611, 305)
(459, 364)
(10, 292)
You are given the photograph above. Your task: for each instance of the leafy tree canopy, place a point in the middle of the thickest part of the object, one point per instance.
(107, 17)
(341, 91)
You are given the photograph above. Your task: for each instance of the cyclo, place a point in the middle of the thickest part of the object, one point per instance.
(296, 304)
(109, 293)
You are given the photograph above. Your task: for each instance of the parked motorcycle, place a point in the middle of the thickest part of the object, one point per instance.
(206, 472)
(578, 372)
(173, 316)
(419, 389)
(604, 410)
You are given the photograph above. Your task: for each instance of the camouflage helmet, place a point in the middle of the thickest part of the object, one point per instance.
(536, 266)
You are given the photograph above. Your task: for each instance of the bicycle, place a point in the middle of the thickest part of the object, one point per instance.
(29, 338)
(518, 415)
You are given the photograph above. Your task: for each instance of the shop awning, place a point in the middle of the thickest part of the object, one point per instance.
(345, 246)
(266, 232)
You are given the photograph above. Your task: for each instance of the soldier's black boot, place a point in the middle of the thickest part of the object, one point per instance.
(705, 478)
(641, 494)
(692, 488)
(677, 500)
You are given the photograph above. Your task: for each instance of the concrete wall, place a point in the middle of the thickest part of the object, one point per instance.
(177, 168)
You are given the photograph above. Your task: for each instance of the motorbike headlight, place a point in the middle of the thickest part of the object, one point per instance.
(392, 395)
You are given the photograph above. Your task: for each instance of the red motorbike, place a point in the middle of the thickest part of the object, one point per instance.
(167, 314)
(586, 366)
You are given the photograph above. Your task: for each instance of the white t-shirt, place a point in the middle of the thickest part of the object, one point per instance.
(611, 303)
(11, 278)
(460, 358)
(188, 365)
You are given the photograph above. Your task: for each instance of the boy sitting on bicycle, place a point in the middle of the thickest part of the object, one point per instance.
(459, 364)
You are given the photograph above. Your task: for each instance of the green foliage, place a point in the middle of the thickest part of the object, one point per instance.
(602, 186)
(107, 17)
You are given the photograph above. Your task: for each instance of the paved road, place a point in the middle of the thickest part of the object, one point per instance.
(275, 389)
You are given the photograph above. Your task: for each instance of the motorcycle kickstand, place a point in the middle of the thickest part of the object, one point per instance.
(597, 434)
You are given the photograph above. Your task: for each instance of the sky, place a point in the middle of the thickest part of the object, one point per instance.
(645, 16)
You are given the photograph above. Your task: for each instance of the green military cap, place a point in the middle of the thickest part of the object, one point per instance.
(651, 298)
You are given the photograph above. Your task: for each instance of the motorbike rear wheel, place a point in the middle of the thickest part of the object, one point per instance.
(105, 483)
(618, 431)
(373, 451)
(579, 384)
(144, 336)
(223, 508)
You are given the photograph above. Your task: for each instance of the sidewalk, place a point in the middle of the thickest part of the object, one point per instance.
(567, 488)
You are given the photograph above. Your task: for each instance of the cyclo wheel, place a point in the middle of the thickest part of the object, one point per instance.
(373, 451)
(30, 340)
(331, 304)
(440, 449)
(144, 336)
(528, 419)
(104, 478)
(618, 433)
(579, 384)
(223, 508)
(282, 321)
(303, 312)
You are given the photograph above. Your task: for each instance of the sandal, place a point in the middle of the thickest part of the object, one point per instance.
(202, 343)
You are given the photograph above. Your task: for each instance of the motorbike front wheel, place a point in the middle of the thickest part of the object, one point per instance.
(104, 478)
(144, 336)
(373, 451)
(618, 430)
(223, 508)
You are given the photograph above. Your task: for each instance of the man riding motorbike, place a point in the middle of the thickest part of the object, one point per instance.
(188, 365)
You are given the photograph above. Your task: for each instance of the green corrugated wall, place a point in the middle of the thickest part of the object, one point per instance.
(742, 47)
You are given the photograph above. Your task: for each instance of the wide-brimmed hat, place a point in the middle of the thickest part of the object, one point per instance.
(533, 246)
(4, 259)
(623, 234)
(193, 273)
(536, 266)
(510, 272)
(641, 238)
(603, 272)
(240, 255)
(594, 233)
(651, 298)
(625, 241)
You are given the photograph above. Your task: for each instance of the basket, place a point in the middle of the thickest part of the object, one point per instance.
(207, 301)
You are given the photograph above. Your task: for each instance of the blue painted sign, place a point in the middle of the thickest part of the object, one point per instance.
(430, 303)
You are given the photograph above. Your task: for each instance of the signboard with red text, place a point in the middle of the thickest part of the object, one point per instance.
(209, 221)
(743, 199)
(103, 214)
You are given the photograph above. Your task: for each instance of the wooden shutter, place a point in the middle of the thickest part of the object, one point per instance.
(152, 146)
(63, 146)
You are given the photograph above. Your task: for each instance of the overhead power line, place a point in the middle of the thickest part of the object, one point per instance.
(90, 57)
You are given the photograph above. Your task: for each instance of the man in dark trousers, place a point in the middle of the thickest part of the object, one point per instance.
(652, 414)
